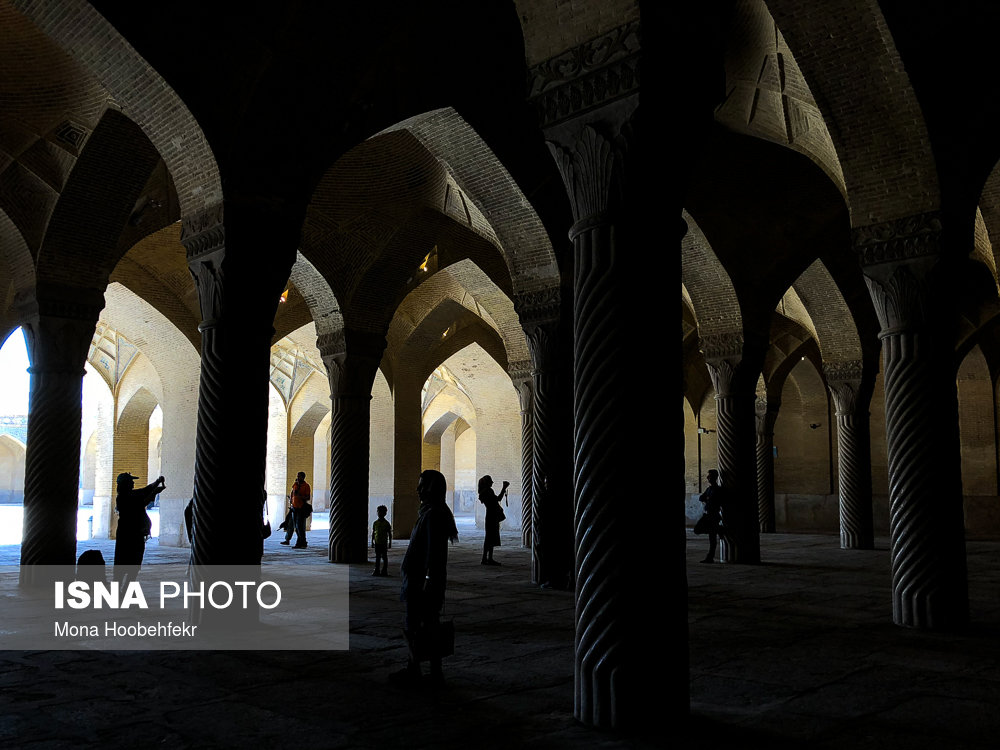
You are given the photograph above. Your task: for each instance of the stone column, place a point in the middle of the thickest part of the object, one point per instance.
(911, 282)
(734, 365)
(521, 376)
(854, 466)
(352, 359)
(59, 326)
(767, 413)
(240, 259)
(594, 162)
(551, 422)
(406, 453)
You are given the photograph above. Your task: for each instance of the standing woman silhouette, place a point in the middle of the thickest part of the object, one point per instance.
(494, 515)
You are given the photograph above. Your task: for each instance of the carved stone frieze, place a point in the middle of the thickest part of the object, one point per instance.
(899, 239)
(204, 232)
(852, 369)
(722, 345)
(541, 306)
(596, 72)
(520, 370)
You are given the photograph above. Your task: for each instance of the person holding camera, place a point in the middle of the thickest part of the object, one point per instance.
(494, 515)
(134, 525)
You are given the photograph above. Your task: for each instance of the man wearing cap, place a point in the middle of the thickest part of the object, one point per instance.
(134, 525)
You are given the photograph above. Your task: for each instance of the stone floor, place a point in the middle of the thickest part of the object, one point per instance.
(509, 684)
(798, 652)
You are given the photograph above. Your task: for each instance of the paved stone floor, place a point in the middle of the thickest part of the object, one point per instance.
(509, 684)
(798, 652)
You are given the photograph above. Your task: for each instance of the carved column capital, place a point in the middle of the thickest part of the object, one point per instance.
(766, 413)
(723, 354)
(539, 315)
(58, 324)
(900, 260)
(204, 238)
(844, 381)
(351, 359)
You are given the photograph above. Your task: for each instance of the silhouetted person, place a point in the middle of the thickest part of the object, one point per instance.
(299, 507)
(494, 515)
(381, 541)
(91, 567)
(134, 525)
(711, 499)
(424, 576)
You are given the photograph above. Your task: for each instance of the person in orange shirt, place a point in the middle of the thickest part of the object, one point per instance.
(300, 507)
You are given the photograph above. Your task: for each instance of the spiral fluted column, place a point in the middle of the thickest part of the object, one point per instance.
(734, 363)
(240, 256)
(523, 385)
(551, 436)
(767, 414)
(351, 360)
(58, 326)
(349, 446)
(605, 669)
(851, 394)
(910, 280)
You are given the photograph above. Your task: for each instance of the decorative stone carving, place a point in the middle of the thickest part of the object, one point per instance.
(520, 370)
(766, 415)
(586, 170)
(204, 232)
(899, 239)
(352, 359)
(901, 296)
(589, 75)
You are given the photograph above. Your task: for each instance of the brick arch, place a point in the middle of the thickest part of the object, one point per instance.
(307, 423)
(834, 326)
(445, 407)
(982, 247)
(318, 295)
(87, 222)
(375, 215)
(875, 123)
(19, 265)
(138, 409)
(139, 90)
(466, 284)
(480, 175)
(766, 94)
(976, 423)
(433, 433)
(711, 291)
(489, 387)
(803, 464)
(425, 348)
(989, 211)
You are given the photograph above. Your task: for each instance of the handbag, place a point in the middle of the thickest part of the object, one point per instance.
(265, 529)
(308, 508)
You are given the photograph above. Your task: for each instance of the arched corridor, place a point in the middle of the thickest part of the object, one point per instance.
(353, 243)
